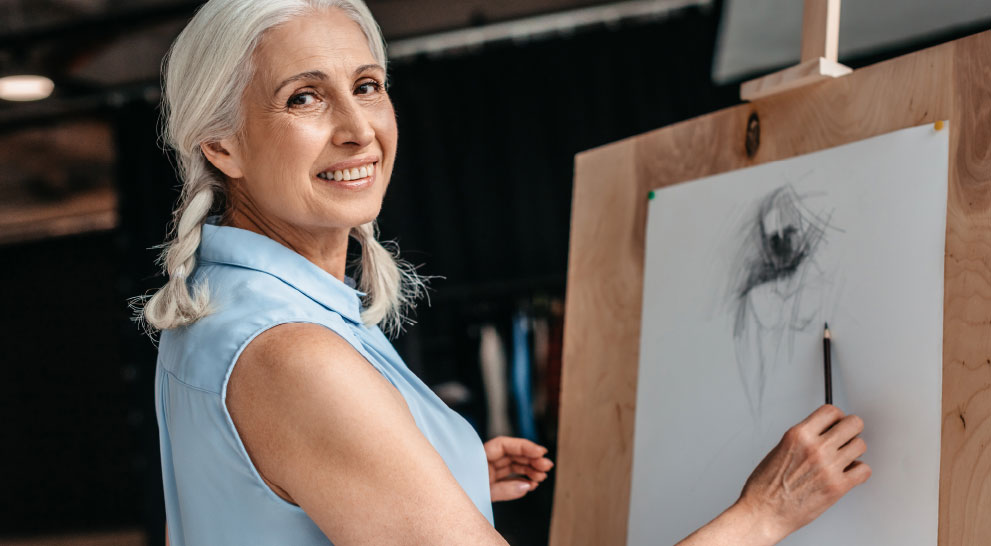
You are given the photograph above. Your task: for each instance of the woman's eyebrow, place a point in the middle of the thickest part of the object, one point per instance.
(321, 75)
(308, 75)
(365, 67)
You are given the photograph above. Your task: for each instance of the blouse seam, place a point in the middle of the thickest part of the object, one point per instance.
(185, 384)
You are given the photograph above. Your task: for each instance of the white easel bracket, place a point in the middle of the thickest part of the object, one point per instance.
(820, 43)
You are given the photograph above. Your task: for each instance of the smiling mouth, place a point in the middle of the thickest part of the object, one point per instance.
(354, 173)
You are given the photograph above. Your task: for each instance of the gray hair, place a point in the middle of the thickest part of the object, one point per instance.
(205, 74)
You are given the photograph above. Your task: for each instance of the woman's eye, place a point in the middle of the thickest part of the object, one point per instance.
(368, 87)
(299, 99)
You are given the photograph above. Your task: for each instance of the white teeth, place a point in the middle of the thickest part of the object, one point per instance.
(349, 174)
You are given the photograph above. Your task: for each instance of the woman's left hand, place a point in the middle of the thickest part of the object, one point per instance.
(516, 467)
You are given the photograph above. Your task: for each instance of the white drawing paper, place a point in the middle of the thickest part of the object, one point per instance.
(741, 272)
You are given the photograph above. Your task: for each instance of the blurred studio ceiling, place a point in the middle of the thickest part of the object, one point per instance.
(91, 47)
(57, 155)
(89, 44)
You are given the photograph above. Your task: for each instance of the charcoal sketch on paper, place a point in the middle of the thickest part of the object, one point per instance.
(741, 270)
(775, 285)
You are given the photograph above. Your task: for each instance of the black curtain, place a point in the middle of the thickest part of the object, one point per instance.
(148, 188)
(482, 185)
(68, 454)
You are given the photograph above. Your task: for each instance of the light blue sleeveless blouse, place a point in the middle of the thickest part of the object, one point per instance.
(213, 494)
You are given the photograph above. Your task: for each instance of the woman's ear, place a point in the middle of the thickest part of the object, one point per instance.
(219, 153)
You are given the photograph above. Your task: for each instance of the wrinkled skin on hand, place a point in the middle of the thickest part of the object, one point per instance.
(808, 471)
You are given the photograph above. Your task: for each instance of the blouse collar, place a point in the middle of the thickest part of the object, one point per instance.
(242, 248)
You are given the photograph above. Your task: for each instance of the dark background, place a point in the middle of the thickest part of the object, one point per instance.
(480, 195)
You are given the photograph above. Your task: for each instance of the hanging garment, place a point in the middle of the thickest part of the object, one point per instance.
(554, 356)
(522, 390)
(541, 348)
(493, 362)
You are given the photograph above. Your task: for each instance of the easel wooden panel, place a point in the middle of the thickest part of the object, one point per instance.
(605, 275)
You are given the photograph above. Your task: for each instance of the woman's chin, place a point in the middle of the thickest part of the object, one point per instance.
(353, 216)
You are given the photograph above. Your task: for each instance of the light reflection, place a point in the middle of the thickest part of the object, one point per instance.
(25, 87)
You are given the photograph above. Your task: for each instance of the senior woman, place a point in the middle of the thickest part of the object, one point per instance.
(285, 415)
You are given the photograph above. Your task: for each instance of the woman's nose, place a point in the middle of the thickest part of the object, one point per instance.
(351, 126)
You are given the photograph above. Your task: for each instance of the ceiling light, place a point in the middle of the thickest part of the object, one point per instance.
(25, 87)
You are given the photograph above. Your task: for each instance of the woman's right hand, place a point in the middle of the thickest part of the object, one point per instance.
(813, 465)
(807, 472)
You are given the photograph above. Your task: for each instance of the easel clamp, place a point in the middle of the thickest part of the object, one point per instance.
(820, 44)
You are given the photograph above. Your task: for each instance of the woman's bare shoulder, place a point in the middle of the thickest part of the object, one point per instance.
(294, 347)
(291, 384)
(305, 366)
(328, 432)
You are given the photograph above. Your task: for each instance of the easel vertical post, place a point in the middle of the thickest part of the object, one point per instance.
(820, 46)
(821, 30)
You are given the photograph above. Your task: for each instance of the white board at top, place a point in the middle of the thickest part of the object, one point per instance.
(742, 269)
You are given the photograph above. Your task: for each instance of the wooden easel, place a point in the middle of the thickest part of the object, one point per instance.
(820, 46)
(951, 82)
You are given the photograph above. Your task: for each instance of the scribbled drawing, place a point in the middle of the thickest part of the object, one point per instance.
(776, 286)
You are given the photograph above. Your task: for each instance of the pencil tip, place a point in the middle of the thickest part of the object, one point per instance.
(827, 326)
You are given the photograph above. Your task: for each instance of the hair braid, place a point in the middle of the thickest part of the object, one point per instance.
(177, 303)
(391, 284)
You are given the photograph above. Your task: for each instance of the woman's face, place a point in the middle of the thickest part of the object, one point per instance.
(316, 114)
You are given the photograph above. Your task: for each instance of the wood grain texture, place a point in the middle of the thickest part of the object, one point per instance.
(605, 279)
(965, 461)
(602, 308)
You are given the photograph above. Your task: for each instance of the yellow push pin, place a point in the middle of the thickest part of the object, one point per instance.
(938, 125)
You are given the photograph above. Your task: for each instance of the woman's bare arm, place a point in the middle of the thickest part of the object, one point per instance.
(328, 432)
(807, 472)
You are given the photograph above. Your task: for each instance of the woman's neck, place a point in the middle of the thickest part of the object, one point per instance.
(327, 248)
